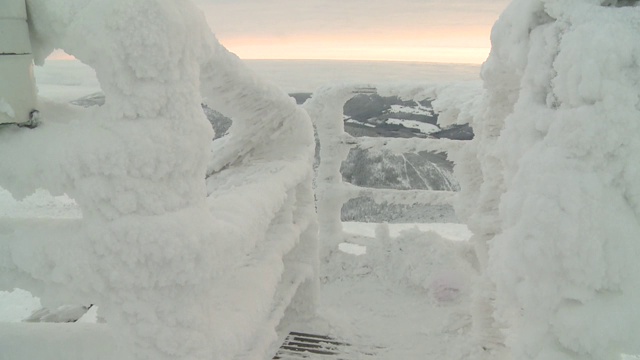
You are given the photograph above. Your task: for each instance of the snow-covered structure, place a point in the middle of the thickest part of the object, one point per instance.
(185, 267)
(551, 183)
(325, 108)
(17, 88)
(181, 267)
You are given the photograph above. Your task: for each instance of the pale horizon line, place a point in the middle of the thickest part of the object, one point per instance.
(66, 57)
(366, 60)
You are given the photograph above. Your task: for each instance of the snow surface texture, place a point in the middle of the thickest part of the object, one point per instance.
(551, 184)
(407, 297)
(382, 302)
(177, 274)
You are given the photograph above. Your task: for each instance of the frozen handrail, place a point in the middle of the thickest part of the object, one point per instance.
(180, 267)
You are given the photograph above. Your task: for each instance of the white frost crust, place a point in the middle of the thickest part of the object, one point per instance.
(325, 108)
(550, 183)
(176, 275)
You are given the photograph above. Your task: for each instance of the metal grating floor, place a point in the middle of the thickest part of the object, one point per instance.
(310, 346)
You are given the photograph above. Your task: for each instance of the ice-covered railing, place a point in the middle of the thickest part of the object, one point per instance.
(326, 110)
(180, 267)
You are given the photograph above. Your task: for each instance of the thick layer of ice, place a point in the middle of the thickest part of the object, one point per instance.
(550, 182)
(176, 275)
(325, 109)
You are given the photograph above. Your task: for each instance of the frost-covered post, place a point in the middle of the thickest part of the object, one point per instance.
(326, 111)
(555, 204)
(17, 85)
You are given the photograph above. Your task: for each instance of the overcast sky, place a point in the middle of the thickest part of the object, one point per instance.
(411, 30)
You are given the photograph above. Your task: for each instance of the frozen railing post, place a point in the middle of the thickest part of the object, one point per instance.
(325, 110)
(17, 86)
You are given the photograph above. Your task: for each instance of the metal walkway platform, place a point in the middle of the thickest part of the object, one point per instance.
(310, 346)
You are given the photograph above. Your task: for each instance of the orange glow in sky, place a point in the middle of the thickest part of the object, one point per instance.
(444, 31)
(448, 47)
(345, 52)
(60, 55)
(438, 31)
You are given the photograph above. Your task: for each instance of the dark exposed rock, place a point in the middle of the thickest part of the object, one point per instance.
(455, 132)
(366, 210)
(373, 112)
(363, 107)
(384, 170)
(620, 3)
(220, 123)
(300, 97)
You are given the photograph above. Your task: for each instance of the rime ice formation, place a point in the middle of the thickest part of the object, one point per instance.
(184, 268)
(325, 109)
(551, 183)
(181, 268)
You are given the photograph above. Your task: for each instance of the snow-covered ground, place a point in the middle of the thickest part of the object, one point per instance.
(20, 304)
(424, 128)
(407, 297)
(454, 232)
(416, 309)
(406, 307)
(352, 121)
(418, 109)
